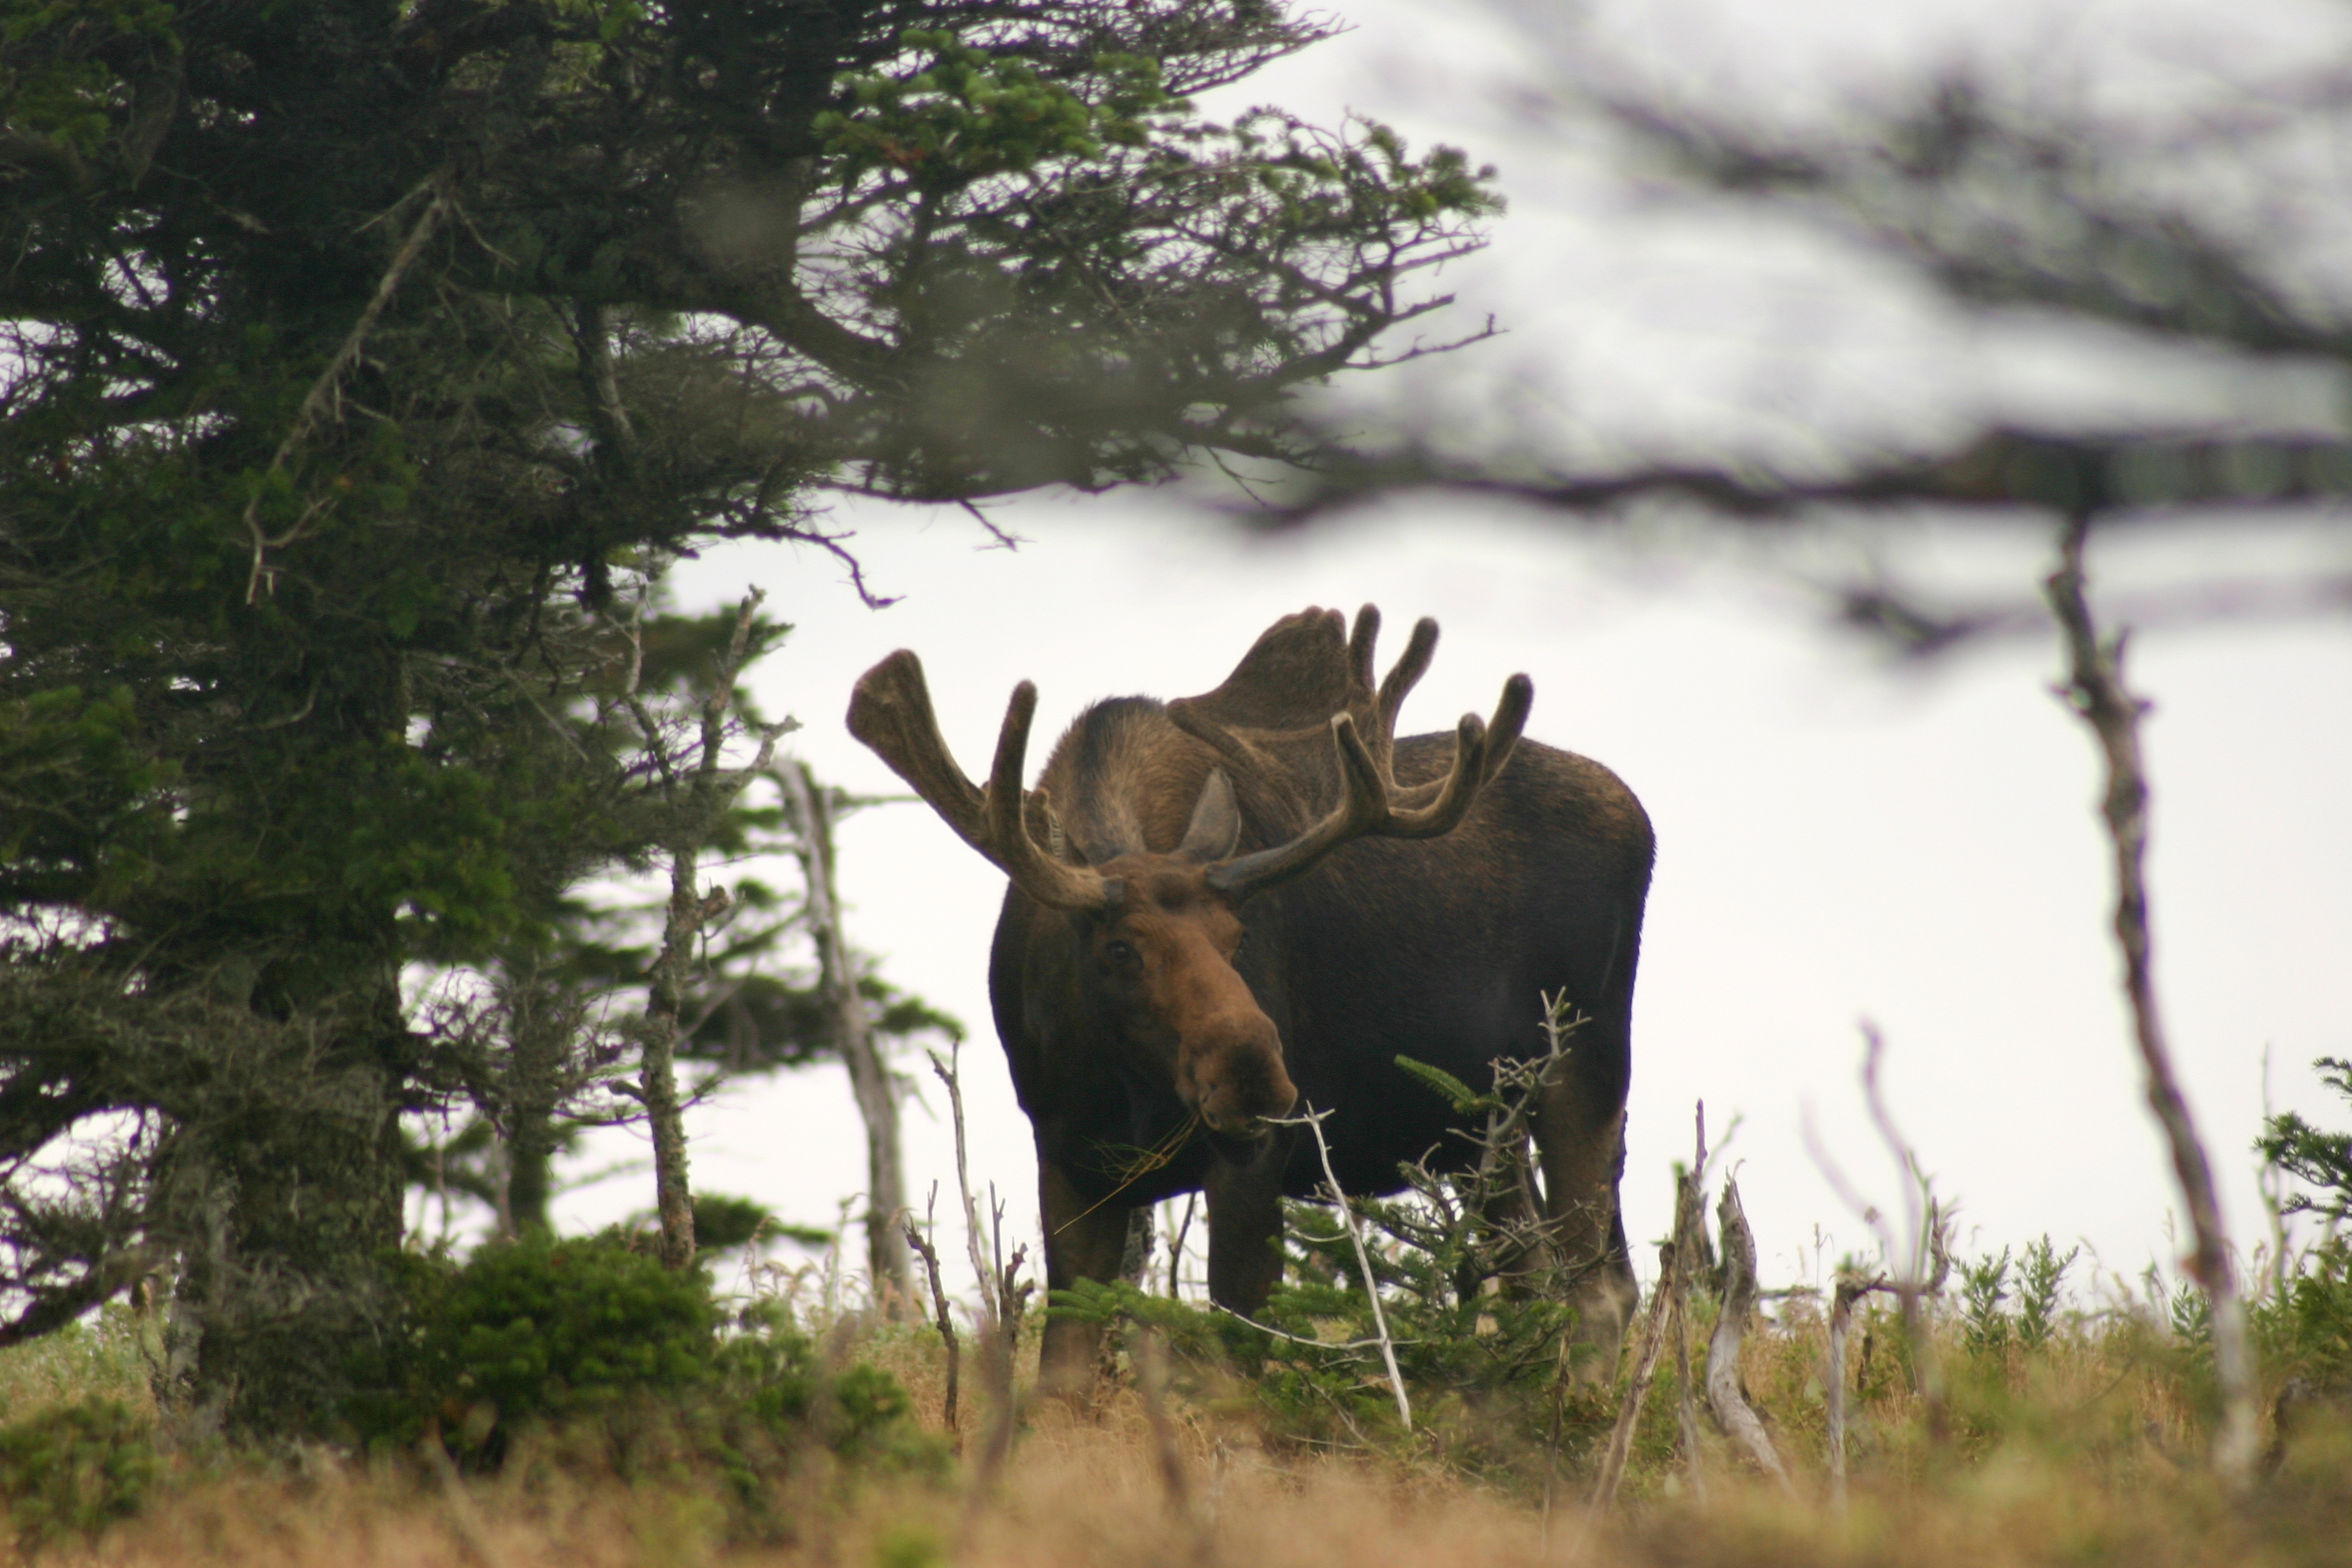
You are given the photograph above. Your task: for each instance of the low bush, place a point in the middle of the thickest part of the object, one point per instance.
(75, 1468)
(592, 1352)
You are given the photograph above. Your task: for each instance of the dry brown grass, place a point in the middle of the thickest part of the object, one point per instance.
(1086, 1493)
(2084, 1453)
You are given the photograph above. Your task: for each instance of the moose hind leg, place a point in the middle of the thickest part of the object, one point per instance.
(1581, 1146)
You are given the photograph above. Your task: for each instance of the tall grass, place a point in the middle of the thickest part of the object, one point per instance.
(2084, 1447)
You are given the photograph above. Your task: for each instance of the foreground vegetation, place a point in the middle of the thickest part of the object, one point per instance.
(2085, 1451)
(577, 1402)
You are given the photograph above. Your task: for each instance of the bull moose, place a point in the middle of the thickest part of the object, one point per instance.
(1223, 906)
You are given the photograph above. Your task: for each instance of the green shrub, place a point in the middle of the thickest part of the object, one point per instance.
(75, 1469)
(2307, 1326)
(771, 1372)
(537, 1330)
(588, 1340)
(2305, 1330)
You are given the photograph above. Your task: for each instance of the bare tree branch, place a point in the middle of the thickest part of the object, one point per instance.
(2095, 688)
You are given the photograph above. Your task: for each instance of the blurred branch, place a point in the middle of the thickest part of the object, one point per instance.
(2127, 477)
(2095, 688)
(2000, 468)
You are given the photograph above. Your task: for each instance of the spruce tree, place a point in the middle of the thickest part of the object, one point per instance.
(365, 362)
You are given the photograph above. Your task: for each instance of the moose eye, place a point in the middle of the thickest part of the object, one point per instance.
(1121, 954)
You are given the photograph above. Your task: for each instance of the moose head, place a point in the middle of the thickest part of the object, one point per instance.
(1160, 930)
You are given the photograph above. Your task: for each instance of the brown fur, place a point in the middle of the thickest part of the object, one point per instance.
(1149, 1045)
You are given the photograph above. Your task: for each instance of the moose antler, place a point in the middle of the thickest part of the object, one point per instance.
(890, 711)
(1371, 803)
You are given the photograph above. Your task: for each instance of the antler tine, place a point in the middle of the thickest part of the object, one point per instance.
(1053, 882)
(1363, 806)
(1450, 801)
(890, 711)
(1360, 642)
(1406, 673)
(1369, 805)
(1502, 735)
(1511, 710)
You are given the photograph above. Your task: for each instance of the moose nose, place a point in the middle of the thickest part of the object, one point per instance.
(1237, 1081)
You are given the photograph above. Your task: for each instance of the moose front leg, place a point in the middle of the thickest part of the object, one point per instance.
(1079, 1245)
(1244, 1198)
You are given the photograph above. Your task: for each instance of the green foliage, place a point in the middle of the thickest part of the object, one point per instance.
(2319, 1159)
(909, 1546)
(329, 502)
(529, 1332)
(591, 1339)
(721, 1222)
(1488, 1375)
(108, 1356)
(2037, 1286)
(951, 113)
(2307, 1330)
(2041, 1282)
(1465, 1100)
(771, 1373)
(1984, 1285)
(75, 1469)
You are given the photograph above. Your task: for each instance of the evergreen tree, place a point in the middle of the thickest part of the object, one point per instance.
(366, 360)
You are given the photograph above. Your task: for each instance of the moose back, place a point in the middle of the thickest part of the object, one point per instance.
(1225, 907)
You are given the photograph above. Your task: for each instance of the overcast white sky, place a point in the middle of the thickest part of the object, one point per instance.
(1837, 839)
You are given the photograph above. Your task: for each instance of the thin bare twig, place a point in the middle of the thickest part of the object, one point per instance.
(871, 1082)
(922, 1249)
(1176, 1249)
(1851, 1289)
(949, 1071)
(2096, 690)
(1922, 1261)
(999, 1341)
(322, 396)
(1312, 1120)
(1678, 1261)
(1690, 1249)
(1928, 1262)
(1645, 1367)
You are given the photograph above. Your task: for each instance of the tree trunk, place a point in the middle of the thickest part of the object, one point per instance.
(657, 1065)
(886, 1261)
(538, 1040)
(283, 1197)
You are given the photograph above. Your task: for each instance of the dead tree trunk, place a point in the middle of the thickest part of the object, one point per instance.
(1851, 1289)
(699, 799)
(2096, 690)
(886, 1260)
(1732, 1411)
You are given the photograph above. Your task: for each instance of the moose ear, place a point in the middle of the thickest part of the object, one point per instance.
(1216, 826)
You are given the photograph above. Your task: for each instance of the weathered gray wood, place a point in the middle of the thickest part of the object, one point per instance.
(1725, 1396)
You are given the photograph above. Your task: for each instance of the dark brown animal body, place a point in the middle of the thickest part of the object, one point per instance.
(1228, 905)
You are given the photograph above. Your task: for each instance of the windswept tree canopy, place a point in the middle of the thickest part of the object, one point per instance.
(361, 363)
